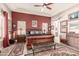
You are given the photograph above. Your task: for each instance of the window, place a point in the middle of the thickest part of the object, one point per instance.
(21, 27)
(45, 28)
(1, 26)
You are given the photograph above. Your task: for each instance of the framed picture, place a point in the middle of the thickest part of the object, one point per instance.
(63, 26)
(63, 29)
(34, 23)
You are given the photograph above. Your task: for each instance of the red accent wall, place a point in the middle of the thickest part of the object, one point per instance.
(16, 16)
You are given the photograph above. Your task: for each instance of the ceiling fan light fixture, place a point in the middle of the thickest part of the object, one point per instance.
(44, 6)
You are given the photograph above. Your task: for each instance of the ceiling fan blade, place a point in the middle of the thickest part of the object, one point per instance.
(38, 5)
(48, 7)
(49, 3)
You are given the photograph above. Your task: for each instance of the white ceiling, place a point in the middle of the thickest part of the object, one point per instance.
(29, 8)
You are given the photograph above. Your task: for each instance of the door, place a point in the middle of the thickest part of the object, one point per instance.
(57, 31)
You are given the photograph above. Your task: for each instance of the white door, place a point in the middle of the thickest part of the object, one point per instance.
(45, 28)
(21, 27)
(57, 31)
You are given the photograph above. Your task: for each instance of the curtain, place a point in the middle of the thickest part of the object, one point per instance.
(5, 39)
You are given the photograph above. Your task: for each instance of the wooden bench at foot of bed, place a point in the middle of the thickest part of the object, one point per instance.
(42, 46)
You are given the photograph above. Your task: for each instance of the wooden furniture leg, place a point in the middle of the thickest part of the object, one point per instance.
(54, 46)
(33, 52)
(0, 51)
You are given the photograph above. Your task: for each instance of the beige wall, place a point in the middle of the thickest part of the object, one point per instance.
(64, 16)
(67, 12)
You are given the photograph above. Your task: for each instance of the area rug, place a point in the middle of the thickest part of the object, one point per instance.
(17, 50)
(6, 51)
(61, 51)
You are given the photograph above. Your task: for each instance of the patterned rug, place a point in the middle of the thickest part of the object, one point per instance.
(60, 51)
(6, 51)
(17, 50)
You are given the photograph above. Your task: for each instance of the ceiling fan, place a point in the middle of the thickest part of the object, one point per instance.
(44, 5)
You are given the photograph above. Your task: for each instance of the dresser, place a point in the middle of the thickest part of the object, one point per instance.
(73, 40)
